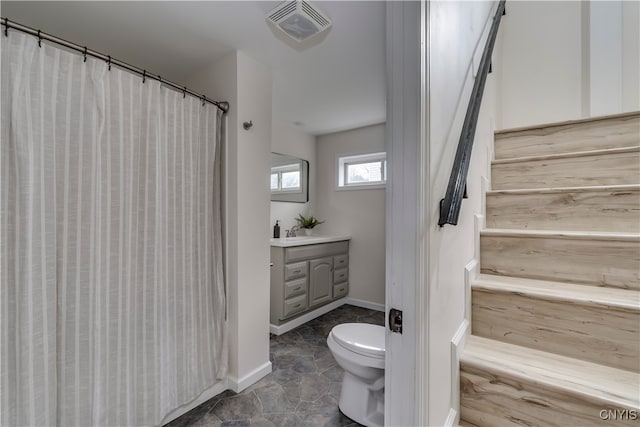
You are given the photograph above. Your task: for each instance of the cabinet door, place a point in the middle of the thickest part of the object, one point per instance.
(320, 281)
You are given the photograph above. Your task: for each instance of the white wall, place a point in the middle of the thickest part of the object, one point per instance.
(293, 142)
(455, 30)
(359, 213)
(605, 59)
(541, 69)
(565, 60)
(246, 84)
(630, 56)
(614, 56)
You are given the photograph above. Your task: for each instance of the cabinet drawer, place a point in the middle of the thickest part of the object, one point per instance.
(294, 305)
(295, 287)
(340, 275)
(315, 251)
(340, 290)
(340, 261)
(293, 271)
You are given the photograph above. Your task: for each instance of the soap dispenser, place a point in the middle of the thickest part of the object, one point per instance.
(276, 230)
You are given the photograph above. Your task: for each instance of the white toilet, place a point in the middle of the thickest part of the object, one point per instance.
(359, 350)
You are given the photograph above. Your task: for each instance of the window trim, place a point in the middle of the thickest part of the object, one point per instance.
(343, 162)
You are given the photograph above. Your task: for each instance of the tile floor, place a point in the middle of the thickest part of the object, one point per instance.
(302, 390)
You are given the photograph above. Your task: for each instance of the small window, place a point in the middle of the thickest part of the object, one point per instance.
(286, 178)
(362, 171)
(291, 180)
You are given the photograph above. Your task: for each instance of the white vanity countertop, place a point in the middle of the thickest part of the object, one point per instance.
(285, 242)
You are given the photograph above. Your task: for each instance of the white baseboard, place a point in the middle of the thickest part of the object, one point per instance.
(252, 377)
(457, 345)
(471, 271)
(203, 397)
(364, 304)
(299, 321)
(452, 419)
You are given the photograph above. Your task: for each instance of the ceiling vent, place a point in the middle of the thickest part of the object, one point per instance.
(299, 20)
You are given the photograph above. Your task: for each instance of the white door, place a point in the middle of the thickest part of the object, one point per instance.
(406, 362)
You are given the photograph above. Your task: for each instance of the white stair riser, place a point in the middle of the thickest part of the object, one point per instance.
(599, 334)
(596, 135)
(618, 168)
(612, 263)
(489, 399)
(614, 210)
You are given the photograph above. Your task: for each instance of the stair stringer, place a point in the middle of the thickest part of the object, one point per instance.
(471, 273)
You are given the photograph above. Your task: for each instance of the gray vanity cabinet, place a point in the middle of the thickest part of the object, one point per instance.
(320, 281)
(306, 277)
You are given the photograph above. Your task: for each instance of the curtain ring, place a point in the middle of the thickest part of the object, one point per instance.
(85, 54)
(6, 27)
(144, 75)
(109, 61)
(203, 100)
(184, 92)
(39, 39)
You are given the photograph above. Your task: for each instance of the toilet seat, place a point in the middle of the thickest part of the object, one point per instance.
(361, 338)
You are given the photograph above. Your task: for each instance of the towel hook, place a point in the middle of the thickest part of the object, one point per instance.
(247, 125)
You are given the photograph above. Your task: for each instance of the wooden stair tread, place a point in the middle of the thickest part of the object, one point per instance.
(572, 155)
(555, 234)
(598, 296)
(589, 380)
(566, 123)
(554, 190)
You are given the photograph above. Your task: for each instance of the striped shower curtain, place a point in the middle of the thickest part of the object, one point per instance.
(112, 302)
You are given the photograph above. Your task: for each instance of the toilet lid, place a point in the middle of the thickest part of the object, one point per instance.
(361, 338)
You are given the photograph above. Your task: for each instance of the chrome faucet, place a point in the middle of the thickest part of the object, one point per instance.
(292, 232)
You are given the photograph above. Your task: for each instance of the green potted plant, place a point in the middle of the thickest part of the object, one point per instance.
(307, 223)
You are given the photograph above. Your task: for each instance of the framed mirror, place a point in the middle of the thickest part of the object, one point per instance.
(289, 179)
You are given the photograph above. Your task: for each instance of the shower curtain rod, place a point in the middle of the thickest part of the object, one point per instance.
(222, 105)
